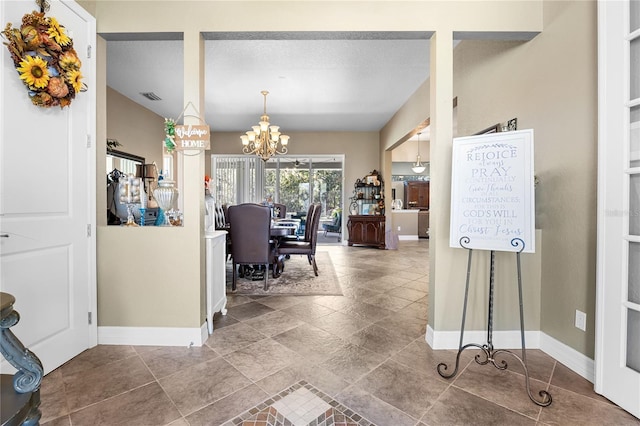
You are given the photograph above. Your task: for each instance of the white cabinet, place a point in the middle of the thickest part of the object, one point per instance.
(215, 270)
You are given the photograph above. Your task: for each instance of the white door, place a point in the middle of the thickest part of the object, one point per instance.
(47, 200)
(618, 282)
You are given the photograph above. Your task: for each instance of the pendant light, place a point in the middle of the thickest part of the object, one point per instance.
(418, 167)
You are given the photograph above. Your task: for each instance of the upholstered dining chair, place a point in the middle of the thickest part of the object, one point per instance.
(308, 245)
(250, 238)
(279, 210)
(305, 224)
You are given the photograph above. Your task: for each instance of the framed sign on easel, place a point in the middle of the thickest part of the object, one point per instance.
(492, 208)
(492, 191)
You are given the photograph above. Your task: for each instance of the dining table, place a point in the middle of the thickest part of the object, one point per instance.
(278, 226)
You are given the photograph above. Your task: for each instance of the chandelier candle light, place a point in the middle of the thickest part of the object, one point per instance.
(263, 140)
(418, 167)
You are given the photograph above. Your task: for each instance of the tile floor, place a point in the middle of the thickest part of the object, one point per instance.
(365, 350)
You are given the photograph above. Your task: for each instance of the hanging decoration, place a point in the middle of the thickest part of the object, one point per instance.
(181, 137)
(44, 57)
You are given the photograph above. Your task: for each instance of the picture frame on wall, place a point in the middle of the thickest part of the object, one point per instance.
(493, 129)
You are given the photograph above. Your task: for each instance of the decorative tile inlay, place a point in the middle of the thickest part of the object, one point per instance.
(300, 405)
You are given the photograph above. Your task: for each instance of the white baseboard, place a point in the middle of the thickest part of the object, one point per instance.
(501, 339)
(574, 360)
(408, 237)
(153, 336)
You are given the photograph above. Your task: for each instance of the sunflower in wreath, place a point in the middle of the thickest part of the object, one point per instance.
(44, 57)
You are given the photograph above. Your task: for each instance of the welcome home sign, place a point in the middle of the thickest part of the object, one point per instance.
(492, 192)
(192, 137)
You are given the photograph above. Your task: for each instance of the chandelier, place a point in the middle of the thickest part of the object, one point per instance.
(418, 167)
(263, 140)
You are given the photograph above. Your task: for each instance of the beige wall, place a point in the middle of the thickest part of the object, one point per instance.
(404, 223)
(549, 84)
(292, 15)
(406, 119)
(120, 250)
(142, 278)
(139, 130)
(408, 151)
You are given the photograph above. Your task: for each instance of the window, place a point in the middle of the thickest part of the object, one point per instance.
(236, 180)
(295, 182)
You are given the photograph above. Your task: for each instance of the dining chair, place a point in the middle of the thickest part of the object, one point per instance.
(279, 210)
(221, 222)
(305, 226)
(251, 243)
(308, 245)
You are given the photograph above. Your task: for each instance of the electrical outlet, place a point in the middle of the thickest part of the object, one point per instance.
(581, 320)
(399, 227)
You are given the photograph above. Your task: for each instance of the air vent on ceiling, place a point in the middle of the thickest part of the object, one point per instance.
(151, 96)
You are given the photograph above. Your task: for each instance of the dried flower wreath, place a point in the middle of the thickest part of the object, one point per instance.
(45, 59)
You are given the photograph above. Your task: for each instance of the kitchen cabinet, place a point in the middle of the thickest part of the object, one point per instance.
(416, 195)
(423, 224)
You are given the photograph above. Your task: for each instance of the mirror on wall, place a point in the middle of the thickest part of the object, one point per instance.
(118, 165)
(123, 161)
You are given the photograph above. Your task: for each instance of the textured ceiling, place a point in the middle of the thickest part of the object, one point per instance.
(344, 83)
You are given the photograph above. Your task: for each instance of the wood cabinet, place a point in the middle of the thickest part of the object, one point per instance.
(416, 194)
(366, 230)
(423, 224)
(366, 223)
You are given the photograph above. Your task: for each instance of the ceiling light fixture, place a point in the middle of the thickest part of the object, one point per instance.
(418, 167)
(263, 140)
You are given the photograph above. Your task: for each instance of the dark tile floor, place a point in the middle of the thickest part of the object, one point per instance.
(365, 350)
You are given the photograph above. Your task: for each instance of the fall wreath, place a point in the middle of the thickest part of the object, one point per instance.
(45, 59)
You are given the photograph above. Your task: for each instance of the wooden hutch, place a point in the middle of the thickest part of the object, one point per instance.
(366, 223)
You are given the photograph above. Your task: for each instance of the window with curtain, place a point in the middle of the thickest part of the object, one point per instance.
(293, 181)
(236, 180)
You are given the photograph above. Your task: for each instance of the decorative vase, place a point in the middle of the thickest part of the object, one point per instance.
(166, 195)
(129, 195)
